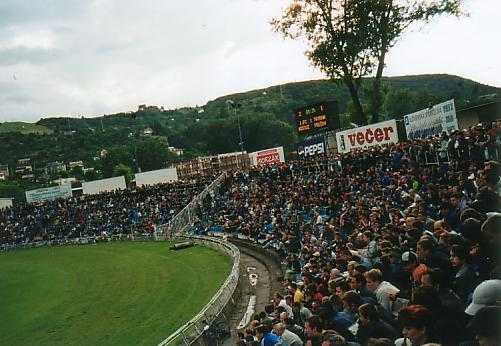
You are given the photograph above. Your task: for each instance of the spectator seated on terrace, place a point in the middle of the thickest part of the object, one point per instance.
(396, 248)
(135, 211)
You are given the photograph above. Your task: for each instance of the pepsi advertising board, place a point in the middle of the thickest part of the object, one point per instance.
(311, 147)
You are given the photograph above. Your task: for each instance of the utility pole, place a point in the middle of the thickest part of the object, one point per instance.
(235, 106)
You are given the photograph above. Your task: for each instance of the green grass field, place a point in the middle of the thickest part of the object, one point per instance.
(106, 294)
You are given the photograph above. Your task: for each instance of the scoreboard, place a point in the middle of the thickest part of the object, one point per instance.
(314, 118)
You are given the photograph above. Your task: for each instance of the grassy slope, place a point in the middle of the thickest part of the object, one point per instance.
(113, 294)
(24, 128)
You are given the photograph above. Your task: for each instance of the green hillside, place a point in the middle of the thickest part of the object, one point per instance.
(24, 128)
(265, 116)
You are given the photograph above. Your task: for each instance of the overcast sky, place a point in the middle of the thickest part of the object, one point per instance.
(82, 57)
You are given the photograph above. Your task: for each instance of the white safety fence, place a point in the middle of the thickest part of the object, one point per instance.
(180, 223)
(191, 331)
(76, 241)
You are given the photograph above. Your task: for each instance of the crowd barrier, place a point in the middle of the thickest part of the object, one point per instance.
(434, 155)
(221, 303)
(179, 224)
(224, 301)
(77, 241)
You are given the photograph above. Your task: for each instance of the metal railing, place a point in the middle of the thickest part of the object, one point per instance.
(178, 225)
(77, 241)
(225, 297)
(435, 154)
(191, 331)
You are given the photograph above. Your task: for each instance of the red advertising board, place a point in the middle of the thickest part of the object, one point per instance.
(267, 157)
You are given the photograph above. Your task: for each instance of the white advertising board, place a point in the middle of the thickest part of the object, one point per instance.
(5, 203)
(384, 132)
(48, 193)
(103, 185)
(267, 156)
(431, 121)
(156, 177)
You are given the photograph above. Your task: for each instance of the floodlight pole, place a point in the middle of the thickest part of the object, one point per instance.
(234, 106)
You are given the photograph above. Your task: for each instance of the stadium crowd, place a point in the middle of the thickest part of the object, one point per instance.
(380, 246)
(394, 245)
(123, 212)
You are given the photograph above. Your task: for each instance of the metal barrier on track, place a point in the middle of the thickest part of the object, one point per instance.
(222, 301)
(227, 295)
(178, 225)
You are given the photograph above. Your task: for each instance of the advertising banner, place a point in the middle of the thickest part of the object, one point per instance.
(366, 136)
(5, 203)
(103, 185)
(156, 177)
(311, 147)
(267, 156)
(48, 193)
(431, 121)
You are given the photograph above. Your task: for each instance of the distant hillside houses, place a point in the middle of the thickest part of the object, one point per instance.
(24, 169)
(55, 167)
(4, 172)
(147, 131)
(74, 164)
(145, 108)
(176, 151)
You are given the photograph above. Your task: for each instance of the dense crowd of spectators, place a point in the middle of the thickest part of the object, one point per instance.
(395, 245)
(137, 210)
(380, 246)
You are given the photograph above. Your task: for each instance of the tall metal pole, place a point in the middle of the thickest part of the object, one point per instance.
(235, 106)
(239, 130)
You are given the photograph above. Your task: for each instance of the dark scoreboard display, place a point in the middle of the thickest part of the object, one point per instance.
(314, 118)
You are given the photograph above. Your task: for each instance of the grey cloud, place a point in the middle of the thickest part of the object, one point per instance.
(111, 55)
(16, 12)
(18, 55)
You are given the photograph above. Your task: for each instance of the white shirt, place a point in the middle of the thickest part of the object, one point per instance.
(383, 292)
(291, 339)
(403, 342)
(287, 308)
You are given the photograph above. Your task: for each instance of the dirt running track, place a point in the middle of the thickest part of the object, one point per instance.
(269, 276)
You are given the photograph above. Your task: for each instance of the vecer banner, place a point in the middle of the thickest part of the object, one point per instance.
(366, 136)
(431, 121)
(311, 147)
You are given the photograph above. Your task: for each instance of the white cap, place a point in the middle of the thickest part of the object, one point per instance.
(486, 294)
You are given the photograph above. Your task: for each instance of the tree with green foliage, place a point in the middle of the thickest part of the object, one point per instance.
(124, 170)
(349, 39)
(10, 189)
(152, 153)
(388, 20)
(92, 174)
(158, 128)
(398, 103)
(335, 31)
(77, 172)
(114, 157)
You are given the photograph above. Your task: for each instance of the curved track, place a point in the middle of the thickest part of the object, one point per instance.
(268, 281)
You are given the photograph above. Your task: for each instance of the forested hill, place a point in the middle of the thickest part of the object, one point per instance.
(266, 117)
